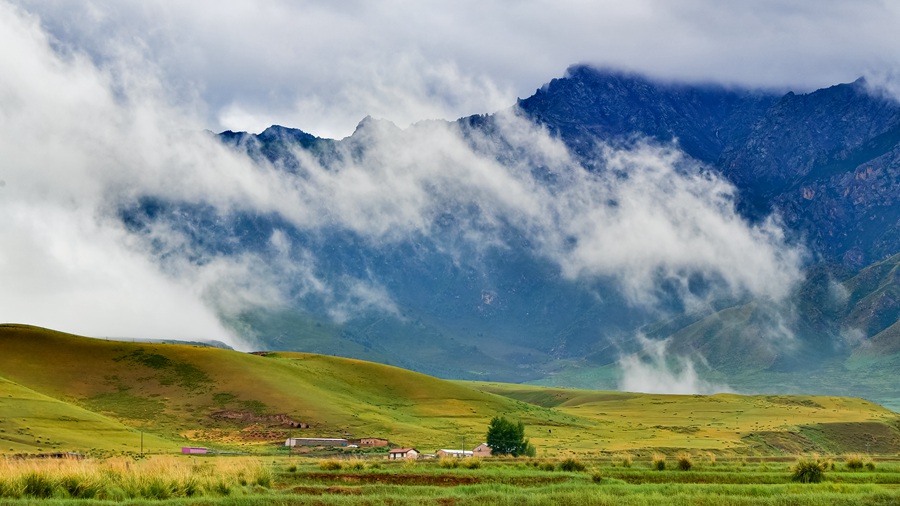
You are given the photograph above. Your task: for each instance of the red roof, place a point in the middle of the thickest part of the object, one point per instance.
(403, 450)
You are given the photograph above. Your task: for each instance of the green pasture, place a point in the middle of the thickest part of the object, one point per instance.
(31, 422)
(763, 424)
(68, 393)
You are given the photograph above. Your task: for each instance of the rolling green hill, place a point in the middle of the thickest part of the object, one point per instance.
(30, 421)
(62, 392)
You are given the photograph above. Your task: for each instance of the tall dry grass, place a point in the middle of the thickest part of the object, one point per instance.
(123, 478)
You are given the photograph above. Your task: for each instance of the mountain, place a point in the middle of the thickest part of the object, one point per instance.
(480, 249)
(62, 392)
(590, 104)
(826, 162)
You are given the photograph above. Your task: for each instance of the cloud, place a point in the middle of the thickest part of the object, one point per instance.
(79, 140)
(884, 82)
(90, 134)
(656, 371)
(651, 215)
(322, 66)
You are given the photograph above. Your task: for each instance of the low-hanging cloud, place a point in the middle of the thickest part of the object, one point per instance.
(656, 371)
(650, 215)
(85, 140)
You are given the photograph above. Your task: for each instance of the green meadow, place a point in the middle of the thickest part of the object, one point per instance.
(60, 392)
(127, 408)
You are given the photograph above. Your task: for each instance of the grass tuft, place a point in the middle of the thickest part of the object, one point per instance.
(37, 484)
(572, 465)
(684, 461)
(471, 463)
(623, 459)
(808, 471)
(330, 464)
(448, 462)
(546, 466)
(658, 462)
(854, 461)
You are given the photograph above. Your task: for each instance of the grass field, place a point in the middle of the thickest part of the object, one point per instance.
(60, 392)
(31, 422)
(614, 480)
(761, 424)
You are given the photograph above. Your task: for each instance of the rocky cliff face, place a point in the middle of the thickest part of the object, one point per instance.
(473, 296)
(826, 162)
(590, 104)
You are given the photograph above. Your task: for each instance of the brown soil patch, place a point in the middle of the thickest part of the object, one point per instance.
(301, 490)
(398, 479)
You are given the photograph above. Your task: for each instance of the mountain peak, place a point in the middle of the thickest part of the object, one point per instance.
(370, 124)
(278, 132)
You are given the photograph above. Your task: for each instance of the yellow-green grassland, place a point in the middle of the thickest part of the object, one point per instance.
(60, 392)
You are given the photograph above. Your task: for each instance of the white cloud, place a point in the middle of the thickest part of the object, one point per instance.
(321, 66)
(78, 141)
(85, 137)
(656, 371)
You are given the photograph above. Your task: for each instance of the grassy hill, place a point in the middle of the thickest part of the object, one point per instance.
(229, 398)
(760, 424)
(62, 392)
(30, 421)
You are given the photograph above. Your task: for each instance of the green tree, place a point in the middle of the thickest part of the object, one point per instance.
(507, 438)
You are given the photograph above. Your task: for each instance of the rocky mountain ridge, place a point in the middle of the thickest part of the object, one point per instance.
(826, 164)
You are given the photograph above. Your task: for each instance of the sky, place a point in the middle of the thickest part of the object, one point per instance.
(322, 66)
(105, 102)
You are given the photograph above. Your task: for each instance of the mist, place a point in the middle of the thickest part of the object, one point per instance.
(86, 139)
(655, 370)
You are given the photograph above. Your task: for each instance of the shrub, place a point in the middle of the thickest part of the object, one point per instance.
(571, 465)
(330, 465)
(808, 471)
(685, 463)
(658, 462)
(854, 461)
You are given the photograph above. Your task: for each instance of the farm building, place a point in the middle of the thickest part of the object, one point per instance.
(403, 453)
(482, 450)
(453, 453)
(373, 442)
(193, 450)
(315, 441)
